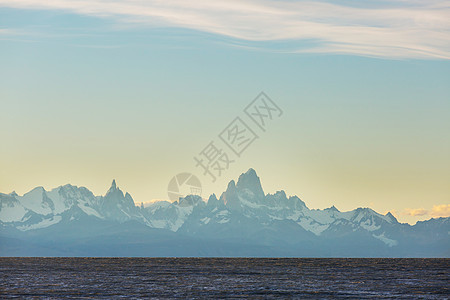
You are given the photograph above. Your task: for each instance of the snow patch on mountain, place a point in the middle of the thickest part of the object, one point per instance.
(11, 210)
(384, 239)
(43, 224)
(205, 220)
(172, 216)
(242, 211)
(312, 225)
(36, 201)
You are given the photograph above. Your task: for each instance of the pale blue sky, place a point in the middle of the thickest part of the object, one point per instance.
(88, 94)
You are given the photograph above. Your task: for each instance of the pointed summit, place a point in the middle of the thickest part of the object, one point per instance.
(113, 189)
(212, 201)
(117, 206)
(333, 208)
(230, 197)
(391, 217)
(250, 181)
(229, 193)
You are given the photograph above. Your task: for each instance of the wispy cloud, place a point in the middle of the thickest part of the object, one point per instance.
(99, 46)
(440, 211)
(9, 31)
(402, 29)
(414, 212)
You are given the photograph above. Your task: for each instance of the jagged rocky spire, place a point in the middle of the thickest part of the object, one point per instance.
(250, 181)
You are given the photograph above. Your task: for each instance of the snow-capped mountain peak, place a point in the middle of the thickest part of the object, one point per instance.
(190, 200)
(391, 218)
(250, 183)
(242, 213)
(114, 189)
(230, 197)
(332, 208)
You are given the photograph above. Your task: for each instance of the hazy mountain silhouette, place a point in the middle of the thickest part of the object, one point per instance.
(243, 221)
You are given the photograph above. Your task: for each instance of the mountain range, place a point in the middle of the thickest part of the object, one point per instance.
(243, 221)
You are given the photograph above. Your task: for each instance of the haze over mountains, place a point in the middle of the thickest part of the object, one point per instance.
(243, 221)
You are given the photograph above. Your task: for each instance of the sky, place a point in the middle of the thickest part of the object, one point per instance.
(92, 91)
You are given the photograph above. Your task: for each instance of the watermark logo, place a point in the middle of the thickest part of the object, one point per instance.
(262, 110)
(213, 160)
(182, 185)
(237, 136)
(216, 157)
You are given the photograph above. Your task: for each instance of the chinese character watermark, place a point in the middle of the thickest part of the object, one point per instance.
(182, 185)
(237, 136)
(262, 110)
(233, 140)
(213, 161)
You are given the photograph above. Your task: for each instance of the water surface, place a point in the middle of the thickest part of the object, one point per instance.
(224, 277)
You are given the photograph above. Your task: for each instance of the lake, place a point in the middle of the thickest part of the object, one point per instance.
(224, 278)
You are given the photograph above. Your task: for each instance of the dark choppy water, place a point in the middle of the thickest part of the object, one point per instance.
(223, 277)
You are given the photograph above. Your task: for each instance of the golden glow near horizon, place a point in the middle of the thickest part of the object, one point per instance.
(135, 96)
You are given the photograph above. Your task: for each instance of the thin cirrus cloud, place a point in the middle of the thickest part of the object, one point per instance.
(396, 29)
(442, 210)
(414, 212)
